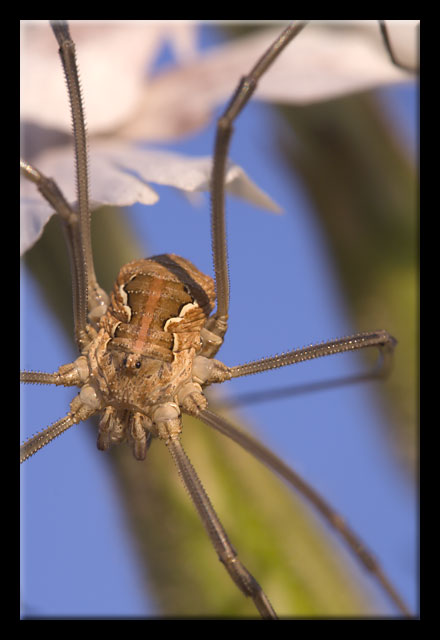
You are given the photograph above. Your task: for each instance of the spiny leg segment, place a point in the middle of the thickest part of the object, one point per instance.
(217, 534)
(275, 464)
(245, 89)
(68, 59)
(381, 339)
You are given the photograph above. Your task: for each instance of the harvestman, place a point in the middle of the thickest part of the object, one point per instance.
(148, 351)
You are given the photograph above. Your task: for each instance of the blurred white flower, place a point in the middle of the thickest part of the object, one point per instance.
(124, 102)
(120, 175)
(324, 62)
(114, 58)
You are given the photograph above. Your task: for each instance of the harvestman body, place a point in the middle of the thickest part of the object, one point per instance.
(147, 352)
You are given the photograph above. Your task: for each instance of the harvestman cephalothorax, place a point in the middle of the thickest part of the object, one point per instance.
(148, 355)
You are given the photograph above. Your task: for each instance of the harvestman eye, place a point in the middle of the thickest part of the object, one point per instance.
(172, 343)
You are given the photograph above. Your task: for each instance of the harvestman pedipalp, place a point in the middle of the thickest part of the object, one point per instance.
(162, 419)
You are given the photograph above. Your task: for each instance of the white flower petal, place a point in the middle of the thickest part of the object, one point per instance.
(34, 214)
(320, 64)
(120, 175)
(113, 58)
(183, 172)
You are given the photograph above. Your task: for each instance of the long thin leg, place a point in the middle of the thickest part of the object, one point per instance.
(226, 552)
(381, 339)
(38, 377)
(97, 298)
(90, 299)
(261, 396)
(68, 59)
(211, 371)
(78, 413)
(387, 43)
(70, 223)
(268, 458)
(242, 95)
(41, 439)
(68, 375)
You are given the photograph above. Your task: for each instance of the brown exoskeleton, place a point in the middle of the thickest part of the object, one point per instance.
(149, 355)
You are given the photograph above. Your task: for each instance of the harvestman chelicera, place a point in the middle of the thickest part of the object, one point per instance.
(148, 351)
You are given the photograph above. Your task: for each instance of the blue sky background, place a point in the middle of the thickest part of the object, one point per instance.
(77, 555)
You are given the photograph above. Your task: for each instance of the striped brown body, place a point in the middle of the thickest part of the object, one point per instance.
(161, 305)
(147, 341)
